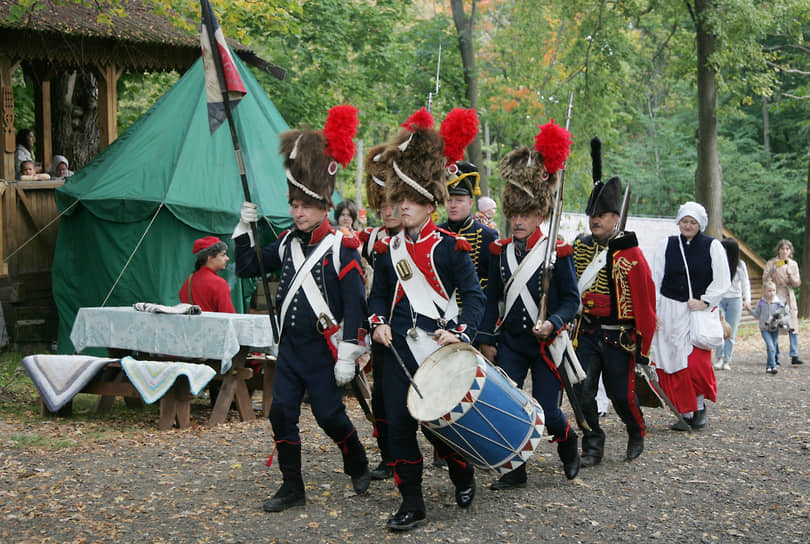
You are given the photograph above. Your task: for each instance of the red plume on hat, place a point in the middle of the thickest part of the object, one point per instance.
(420, 119)
(339, 129)
(553, 142)
(458, 129)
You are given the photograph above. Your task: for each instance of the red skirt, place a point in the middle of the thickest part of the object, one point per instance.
(684, 386)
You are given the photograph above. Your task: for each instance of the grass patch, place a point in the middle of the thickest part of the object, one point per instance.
(26, 440)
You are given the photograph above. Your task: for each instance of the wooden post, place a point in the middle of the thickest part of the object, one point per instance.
(43, 123)
(107, 105)
(8, 144)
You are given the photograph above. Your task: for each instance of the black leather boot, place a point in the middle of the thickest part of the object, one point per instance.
(291, 493)
(355, 462)
(569, 455)
(635, 445)
(511, 480)
(593, 447)
(385, 469)
(699, 419)
(462, 474)
(411, 513)
(796, 361)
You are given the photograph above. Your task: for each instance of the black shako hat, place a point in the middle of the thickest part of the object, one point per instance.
(464, 181)
(605, 197)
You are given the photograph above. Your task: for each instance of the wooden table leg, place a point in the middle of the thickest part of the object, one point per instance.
(176, 406)
(233, 388)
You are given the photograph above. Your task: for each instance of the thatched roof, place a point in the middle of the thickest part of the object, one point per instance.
(73, 35)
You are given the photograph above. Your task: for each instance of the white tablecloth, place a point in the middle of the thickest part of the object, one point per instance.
(210, 335)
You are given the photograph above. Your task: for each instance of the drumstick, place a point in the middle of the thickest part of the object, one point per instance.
(405, 370)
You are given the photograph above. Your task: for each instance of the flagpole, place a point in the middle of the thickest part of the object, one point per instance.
(206, 16)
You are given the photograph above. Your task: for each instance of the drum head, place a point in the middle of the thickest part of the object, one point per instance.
(444, 378)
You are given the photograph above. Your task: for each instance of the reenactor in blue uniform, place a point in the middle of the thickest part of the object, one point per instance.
(372, 239)
(515, 284)
(462, 186)
(414, 279)
(617, 321)
(321, 287)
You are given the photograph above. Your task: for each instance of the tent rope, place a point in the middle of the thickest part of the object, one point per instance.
(129, 260)
(51, 222)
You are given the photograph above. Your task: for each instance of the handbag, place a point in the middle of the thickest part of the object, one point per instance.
(705, 328)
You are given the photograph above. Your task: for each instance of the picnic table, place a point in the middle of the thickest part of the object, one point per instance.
(221, 339)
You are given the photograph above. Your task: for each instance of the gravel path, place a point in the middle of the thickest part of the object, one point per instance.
(745, 478)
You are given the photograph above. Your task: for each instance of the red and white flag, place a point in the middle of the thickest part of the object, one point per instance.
(233, 82)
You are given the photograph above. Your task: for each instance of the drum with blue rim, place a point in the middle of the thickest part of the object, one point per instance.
(476, 409)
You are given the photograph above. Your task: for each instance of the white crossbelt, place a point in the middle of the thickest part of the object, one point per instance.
(303, 276)
(589, 274)
(517, 286)
(424, 299)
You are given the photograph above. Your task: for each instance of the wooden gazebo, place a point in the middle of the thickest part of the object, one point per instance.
(52, 36)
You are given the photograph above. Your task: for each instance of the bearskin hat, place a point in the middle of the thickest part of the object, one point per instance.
(377, 171)
(531, 174)
(311, 157)
(417, 162)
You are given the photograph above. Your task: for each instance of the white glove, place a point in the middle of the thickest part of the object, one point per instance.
(348, 353)
(249, 214)
(344, 371)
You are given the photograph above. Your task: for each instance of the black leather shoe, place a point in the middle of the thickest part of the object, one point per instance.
(405, 521)
(699, 419)
(796, 361)
(285, 497)
(464, 497)
(589, 460)
(361, 483)
(680, 426)
(571, 468)
(515, 479)
(635, 445)
(382, 472)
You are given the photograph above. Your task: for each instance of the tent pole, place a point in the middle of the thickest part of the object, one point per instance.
(239, 160)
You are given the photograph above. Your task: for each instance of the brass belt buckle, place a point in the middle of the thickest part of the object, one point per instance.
(324, 323)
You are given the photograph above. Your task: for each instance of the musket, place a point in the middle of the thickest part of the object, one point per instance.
(208, 18)
(554, 228)
(548, 269)
(438, 71)
(620, 225)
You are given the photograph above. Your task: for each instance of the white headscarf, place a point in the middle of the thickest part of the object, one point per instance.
(695, 211)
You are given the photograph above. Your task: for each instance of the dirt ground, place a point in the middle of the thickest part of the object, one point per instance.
(744, 478)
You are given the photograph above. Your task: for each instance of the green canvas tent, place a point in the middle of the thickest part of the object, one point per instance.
(136, 209)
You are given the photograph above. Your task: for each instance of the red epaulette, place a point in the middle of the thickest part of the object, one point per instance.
(463, 245)
(350, 241)
(563, 249)
(381, 246)
(496, 247)
(364, 235)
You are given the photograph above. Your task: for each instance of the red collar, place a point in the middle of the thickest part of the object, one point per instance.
(320, 231)
(426, 231)
(535, 237)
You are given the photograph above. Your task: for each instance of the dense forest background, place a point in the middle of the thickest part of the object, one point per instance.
(631, 64)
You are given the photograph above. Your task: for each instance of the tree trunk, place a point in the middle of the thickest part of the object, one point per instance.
(804, 289)
(464, 27)
(74, 96)
(766, 131)
(708, 176)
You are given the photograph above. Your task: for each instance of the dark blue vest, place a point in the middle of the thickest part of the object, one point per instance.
(674, 284)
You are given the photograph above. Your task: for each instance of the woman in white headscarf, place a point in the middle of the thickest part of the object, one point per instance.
(59, 168)
(685, 371)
